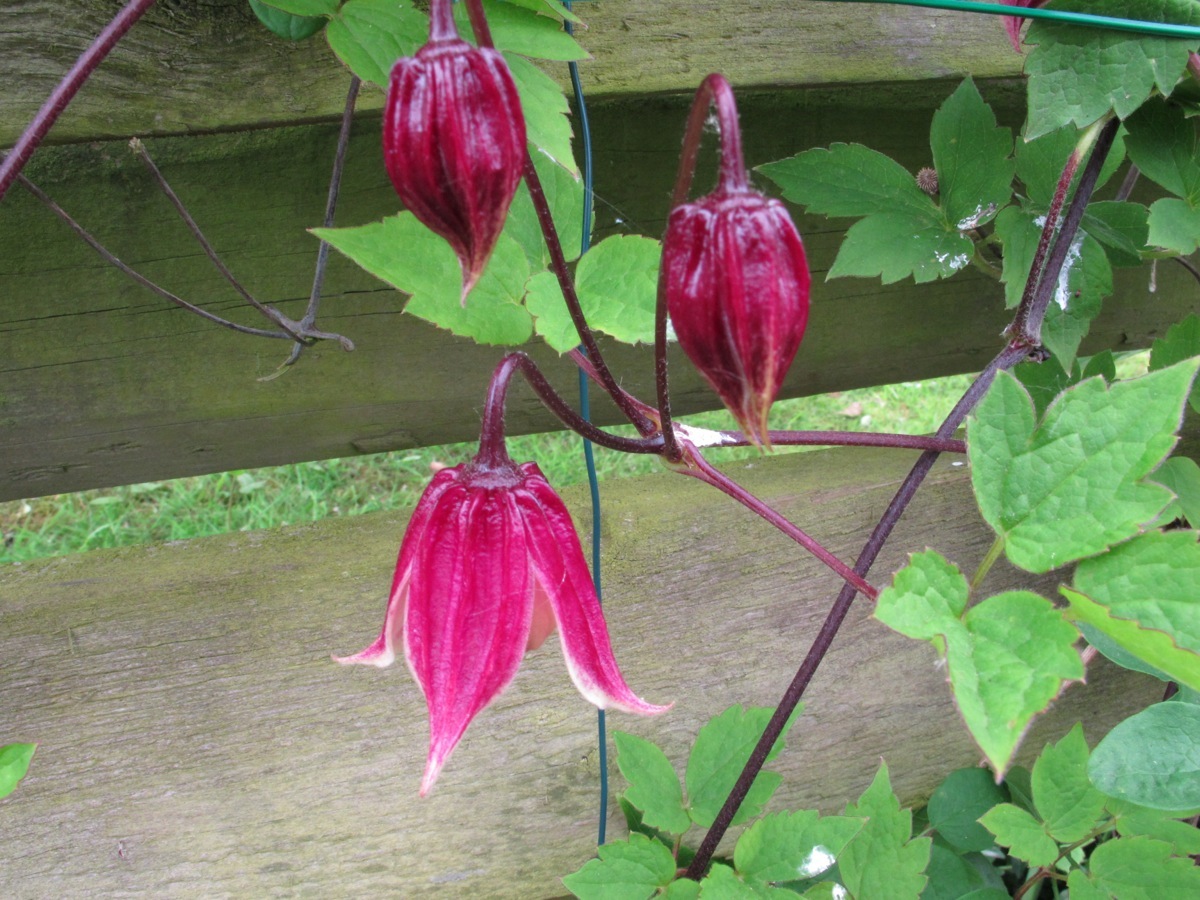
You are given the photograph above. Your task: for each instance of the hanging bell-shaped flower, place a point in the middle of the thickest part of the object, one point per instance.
(736, 281)
(454, 140)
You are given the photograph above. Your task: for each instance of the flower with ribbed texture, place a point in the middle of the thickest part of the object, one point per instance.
(489, 566)
(454, 141)
(737, 286)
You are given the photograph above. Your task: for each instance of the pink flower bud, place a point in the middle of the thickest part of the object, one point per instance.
(737, 282)
(489, 566)
(454, 141)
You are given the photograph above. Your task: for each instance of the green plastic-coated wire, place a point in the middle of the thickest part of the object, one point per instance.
(1061, 16)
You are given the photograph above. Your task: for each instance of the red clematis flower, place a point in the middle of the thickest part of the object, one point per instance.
(454, 141)
(1012, 24)
(489, 566)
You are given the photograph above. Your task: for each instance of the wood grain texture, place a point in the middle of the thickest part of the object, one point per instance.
(196, 740)
(203, 65)
(103, 383)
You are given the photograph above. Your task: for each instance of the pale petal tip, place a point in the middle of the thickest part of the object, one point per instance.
(433, 768)
(379, 654)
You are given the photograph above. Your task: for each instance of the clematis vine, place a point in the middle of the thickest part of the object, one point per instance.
(490, 565)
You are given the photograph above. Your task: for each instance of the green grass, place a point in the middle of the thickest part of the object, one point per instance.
(266, 498)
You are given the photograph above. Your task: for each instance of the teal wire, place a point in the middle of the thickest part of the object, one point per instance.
(1062, 16)
(585, 410)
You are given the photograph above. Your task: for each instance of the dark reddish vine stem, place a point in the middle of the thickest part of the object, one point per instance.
(714, 91)
(62, 95)
(1017, 350)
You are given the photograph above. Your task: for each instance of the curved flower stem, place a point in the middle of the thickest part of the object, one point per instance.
(479, 23)
(1009, 357)
(62, 95)
(699, 467)
(714, 91)
(842, 439)
(491, 438)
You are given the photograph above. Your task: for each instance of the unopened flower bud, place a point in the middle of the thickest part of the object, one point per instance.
(454, 141)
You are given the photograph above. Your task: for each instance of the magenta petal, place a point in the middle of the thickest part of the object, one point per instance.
(470, 602)
(561, 571)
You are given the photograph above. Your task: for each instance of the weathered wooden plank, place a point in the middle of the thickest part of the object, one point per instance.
(195, 738)
(103, 383)
(189, 67)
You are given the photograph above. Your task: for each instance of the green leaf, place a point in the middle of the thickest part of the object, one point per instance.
(1141, 869)
(1174, 225)
(1162, 144)
(1017, 228)
(722, 747)
(548, 7)
(957, 804)
(564, 194)
(545, 109)
(1007, 661)
(898, 244)
(1068, 804)
(1181, 476)
(303, 7)
(1152, 758)
(972, 157)
(1045, 381)
(1182, 341)
(626, 870)
(1085, 280)
(1023, 835)
(653, 785)
(1116, 653)
(927, 597)
(1121, 227)
(951, 876)
(617, 283)
(14, 763)
(881, 862)
(721, 883)
(410, 257)
(1040, 163)
(682, 889)
(370, 35)
(849, 180)
(1133, 820)
(792, 846)
(1143, 595)
(286, 25)
(523, 31)
(1079, 74)
(1071, 485)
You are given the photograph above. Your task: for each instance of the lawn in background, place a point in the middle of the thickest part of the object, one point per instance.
(269, 497)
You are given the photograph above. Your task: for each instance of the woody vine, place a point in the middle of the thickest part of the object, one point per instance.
(1069, 467)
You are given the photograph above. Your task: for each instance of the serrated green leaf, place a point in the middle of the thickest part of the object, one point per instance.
(1162, 144)
(1181, 476)
(1082, 889)
(523, 31)
(286, 25)
(722, 747)
(1007, 661)
(564, 194)
(926, 597)
(1116, 653)
(881, 862)
(408, 256)
(1068, 804)
(1174, 225)
(370, 35)
(1018, 230)
(1152, 758)
(1143, 595)
(792, 846)
(1022, 834)
(547, 7)
(1142, 869)
(653, 785)
(1122, 228)
(899, 244)
(682, 889)
(1045, 381)
(972, 156)
(721, 883)
(14, 764)
(1133, 820)
(1083, 283)
(1079, 74)
(1071, 485)
(626, 870)
(617, 284)
(305, 7)
(849, 180)
(1182, 341)
(951, 877)
(957, 804)
(545, 110)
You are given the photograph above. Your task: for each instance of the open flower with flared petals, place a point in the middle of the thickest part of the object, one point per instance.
(489, 566)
